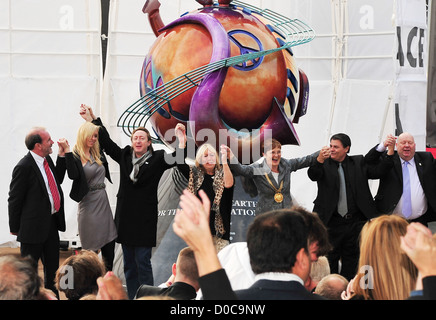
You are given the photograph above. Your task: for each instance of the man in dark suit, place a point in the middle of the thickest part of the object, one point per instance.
(184, 285)
(421, 168)
(344, 219)
(277, 243)
(36, 203)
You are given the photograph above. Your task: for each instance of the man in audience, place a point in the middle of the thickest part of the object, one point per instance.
(19, 279)
(277, 242)
(185, 285)
(331, 286)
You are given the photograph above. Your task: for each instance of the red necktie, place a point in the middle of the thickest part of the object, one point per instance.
(53, 188)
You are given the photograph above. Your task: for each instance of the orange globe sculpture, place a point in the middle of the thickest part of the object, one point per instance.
(240, 105)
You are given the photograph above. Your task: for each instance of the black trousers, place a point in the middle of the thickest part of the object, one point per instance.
(344, 237)
(48, 252)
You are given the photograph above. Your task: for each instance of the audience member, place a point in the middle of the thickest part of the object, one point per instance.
(277, 242)
(420, 246)
(272, 176)
(185, 285)
(236, 261)
(19, 279)
(385, 271)
(77, 275)
(344, 201)
(110, 287)
(408, 189)
(318, 270)
(331, 286)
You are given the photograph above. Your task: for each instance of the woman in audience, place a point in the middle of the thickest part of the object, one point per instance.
(385, 271)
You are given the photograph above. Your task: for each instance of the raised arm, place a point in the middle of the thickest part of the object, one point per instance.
(379, 168)
(315, 171)
(237, 168)
(228, 176)
(191, 223)
(303, 162)
(106, 143)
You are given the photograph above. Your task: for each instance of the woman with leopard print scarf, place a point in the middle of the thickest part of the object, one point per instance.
(217, 181)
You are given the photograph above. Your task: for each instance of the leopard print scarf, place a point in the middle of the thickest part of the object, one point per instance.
(196, 178)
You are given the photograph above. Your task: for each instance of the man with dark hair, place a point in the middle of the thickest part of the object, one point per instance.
(344, 201)
(277, 243)
(36, 203)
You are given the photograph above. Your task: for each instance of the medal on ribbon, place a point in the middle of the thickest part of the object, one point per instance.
(278, 196)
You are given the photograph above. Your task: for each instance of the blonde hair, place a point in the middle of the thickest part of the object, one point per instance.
(200, 152)
(86, 131)
(392, 274)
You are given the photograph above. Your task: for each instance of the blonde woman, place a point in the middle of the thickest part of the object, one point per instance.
(385, 271)
(216, 180)
(85, 166)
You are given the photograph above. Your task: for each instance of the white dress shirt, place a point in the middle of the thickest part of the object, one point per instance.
(40, 163)
(419, 201)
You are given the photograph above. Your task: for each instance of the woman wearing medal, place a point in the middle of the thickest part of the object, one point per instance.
(272, 176)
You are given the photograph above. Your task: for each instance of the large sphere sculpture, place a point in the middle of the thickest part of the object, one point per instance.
(242, 104)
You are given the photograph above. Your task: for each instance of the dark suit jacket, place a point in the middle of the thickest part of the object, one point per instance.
(391, 183)
(216, 286)
(136, 210)
(29, 203)
(327, 178)
(178, 291)
(276, 290)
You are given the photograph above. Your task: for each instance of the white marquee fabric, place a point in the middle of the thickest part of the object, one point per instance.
(50, 63)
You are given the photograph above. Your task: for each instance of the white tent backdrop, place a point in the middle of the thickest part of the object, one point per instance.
(50, 63)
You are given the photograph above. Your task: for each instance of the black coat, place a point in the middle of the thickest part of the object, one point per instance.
(29, 203)
(137, 205)
(327, 178)
(390, 188)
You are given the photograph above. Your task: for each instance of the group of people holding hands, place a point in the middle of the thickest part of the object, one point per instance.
(344, 202)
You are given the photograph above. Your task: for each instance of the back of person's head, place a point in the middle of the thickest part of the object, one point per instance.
(186, 264)
(19, 279)
(385, 271)
(319, 269)
(274, 238)
(78, 274)
(331, 286)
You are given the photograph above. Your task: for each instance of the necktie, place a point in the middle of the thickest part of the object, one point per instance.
(53, 188)
(407, 198)
(342, 203)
